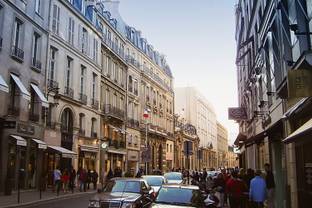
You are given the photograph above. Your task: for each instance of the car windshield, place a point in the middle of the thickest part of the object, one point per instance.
(173, 176)
(154, 181)
(123, 186)
(179, 196)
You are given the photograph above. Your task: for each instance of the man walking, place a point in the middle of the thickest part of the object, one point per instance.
(270, 183)
(257, 191)
(57, 180)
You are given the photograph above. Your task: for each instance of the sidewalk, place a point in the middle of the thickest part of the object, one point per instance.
(29, 197)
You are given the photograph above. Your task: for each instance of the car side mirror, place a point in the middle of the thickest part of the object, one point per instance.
(99, 190)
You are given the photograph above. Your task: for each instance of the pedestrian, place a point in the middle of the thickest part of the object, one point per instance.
(82, 180)
(72, 178)
(219, 183)
(95, 177)
(110, 174)
(270, 184)
(118, 172)
(249, 176)
(65, 180)
(205, 174)
(89, 176)
(57, 179)
(257, 191)
(235, 188)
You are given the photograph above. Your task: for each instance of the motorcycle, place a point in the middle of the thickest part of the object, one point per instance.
(212, 200)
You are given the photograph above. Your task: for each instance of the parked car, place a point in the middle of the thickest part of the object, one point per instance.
(155, 181)
(123, 192)
(174, 177)
(174, 196)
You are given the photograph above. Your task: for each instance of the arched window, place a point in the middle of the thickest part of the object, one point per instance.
(93, 127)
(67, 120)
(82, 123)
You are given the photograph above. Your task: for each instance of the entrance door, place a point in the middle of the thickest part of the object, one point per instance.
(67, 136)
(304, 173)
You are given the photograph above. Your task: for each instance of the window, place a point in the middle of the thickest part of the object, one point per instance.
(121, 104)
(52, 70)
(82, 75)
(94, 86)
(56, 19)
(36, 50)
(37, 6)
(135, 86)
(81, 122)
(17, 35)
(93, 125)
(68, 74)
(71, 30)
(95, 50)
(109, 37)
(113, 70)
(117, 73)
(84, 43)
(109, 66)
(130, 86)
(115, 100)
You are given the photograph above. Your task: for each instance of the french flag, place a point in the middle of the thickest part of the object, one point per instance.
(145, 114)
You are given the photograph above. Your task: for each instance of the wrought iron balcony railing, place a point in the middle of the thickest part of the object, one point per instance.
(133, 123)
(93, 134)
(52, 85)
(36, 64)
(69, 92)
(83, 98)
(95, 104)
(82, 132)
(113, 111)
(17, 53)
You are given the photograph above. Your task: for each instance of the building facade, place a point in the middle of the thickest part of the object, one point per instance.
(150, 88)
(273, 65)
(23, 52)
(222, 145)
(231, 160)
(196, 110)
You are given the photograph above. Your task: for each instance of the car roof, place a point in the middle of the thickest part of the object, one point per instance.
(183, 186)
(173, 172)
(158, 176)
(127, 179)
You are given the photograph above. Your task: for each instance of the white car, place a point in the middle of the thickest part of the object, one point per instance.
(155, 181)
(174, 178)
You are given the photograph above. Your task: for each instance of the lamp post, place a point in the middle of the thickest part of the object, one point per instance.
(146, 115)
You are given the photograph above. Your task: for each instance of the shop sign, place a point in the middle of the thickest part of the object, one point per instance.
(21, 143)
(25, 129)
(104, 145)
(237, 114)
(299, 83)
(133, 156)
(42, 146)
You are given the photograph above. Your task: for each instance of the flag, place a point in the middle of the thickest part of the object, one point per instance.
(145, 114)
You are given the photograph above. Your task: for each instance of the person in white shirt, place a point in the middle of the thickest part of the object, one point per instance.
(57, 179)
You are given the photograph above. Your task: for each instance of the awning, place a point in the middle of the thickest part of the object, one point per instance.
(117, 151)
(20, 141)
(25, 93)
(89, 148)
(294, 108)
(65, 152)
(3, 85)
(44, 101)
(305, 128)
(41, 144)
(240, 139)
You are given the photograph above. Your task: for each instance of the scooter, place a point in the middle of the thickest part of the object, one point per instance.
(212, 200)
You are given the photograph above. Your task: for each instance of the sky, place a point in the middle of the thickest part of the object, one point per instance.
(197, 37)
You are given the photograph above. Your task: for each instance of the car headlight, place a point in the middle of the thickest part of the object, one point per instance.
(94, 204)
(127, 205)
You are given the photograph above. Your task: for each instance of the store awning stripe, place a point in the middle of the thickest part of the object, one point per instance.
(3, 85)
(89, 148)
(25, 93)
(65, 152)
(41, 144)
(44, 101)
(20, 141)
(300, 131)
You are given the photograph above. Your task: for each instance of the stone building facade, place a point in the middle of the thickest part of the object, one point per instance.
(23, 55)
(274, 82)
(222, 145)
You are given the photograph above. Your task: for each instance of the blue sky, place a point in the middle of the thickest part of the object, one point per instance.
(197, 37)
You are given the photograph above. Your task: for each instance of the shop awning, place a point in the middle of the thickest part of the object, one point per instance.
(89, 148)
(65, 152)
(294, 108)
(3, 85)
(305, 128)
(20, 141)
(117, 151)
(44, 101)
(41, 144)
(25, 93)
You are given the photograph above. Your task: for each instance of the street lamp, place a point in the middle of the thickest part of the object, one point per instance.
(146, 115)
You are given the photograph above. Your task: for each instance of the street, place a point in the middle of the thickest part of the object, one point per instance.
(77, 202)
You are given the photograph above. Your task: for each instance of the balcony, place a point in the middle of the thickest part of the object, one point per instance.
(1, 43)
(116, 143)
(93, 134)
(17, 53)
(113, 111)
(52, 85)
(13, 111)
(82, 132)
(95, 104)
(36, 65)
(33, 117)
(133, 123)
(83, 98)
(69, 92)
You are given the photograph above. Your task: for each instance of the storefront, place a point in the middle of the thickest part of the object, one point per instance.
(116, 159)
(87, 157)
